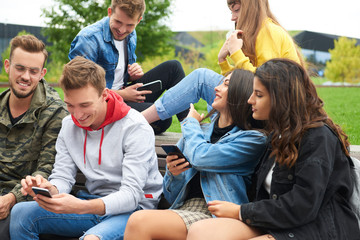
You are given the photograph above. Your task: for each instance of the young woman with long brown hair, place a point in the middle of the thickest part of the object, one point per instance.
(302, 184)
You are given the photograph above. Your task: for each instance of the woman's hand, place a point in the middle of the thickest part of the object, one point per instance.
(176, 165)
(193, 113)
(224, 52)
(234, 42)
(224, 209)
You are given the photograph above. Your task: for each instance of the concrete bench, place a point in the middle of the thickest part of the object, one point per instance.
(164, 138)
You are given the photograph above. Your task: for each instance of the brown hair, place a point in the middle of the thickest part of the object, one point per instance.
(80, 72)
(252, 15)
(239, 90)
(28, 43)
(132, 8)
(295, 108)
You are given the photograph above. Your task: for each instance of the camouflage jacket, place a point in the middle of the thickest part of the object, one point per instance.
(28, 147)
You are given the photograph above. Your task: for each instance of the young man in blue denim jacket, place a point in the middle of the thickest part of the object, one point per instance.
(111, 43)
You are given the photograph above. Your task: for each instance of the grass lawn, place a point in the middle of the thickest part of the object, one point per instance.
(341, 103)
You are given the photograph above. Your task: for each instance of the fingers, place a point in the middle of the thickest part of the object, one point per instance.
(170, 158)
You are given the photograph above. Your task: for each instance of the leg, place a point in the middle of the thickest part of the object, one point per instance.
(159, 126)
(4, 228)
(28, 220)
(170, 73)
(198, 84)
(221, 228)
(110, 227)
(155, 224)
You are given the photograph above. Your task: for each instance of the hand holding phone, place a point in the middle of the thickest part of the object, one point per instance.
(153, 86)
(172, 149)
(42, 191)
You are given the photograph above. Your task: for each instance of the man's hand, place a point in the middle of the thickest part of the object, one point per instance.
(37, 181)
(135, 71)
(6, 203)
(131, 94)
(66, 203)
(224, 209)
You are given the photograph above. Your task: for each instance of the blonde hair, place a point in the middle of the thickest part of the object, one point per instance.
(133, 8)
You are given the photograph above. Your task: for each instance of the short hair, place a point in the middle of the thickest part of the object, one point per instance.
(80, 72)
(131, 7)
(28, 43)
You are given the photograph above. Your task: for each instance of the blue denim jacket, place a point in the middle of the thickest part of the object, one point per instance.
(225, 167)
(95, 42)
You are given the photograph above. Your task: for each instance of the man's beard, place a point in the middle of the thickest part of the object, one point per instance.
(19, 94)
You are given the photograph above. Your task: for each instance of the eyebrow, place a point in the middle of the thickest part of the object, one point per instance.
(31, 68)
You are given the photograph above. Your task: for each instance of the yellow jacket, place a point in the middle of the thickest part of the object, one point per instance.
(272, 42)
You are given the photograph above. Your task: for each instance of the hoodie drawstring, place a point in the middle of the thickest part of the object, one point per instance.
(101, 142)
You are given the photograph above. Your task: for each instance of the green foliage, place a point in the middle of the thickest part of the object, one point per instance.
(344, 65)
(68, 17)
(6, 55)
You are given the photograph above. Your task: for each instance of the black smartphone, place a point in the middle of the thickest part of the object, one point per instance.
(172, 149)
(152, 86)
(42, 191)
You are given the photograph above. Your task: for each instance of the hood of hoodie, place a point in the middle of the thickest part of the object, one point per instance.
(116, 110)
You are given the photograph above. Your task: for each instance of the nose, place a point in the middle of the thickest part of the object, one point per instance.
(26, 74)
(251, 99)
(234, 17)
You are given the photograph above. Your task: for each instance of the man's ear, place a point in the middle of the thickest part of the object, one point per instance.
(105, 93)
(43, 72)
(7, 65)
(109, 11)
(139, 20)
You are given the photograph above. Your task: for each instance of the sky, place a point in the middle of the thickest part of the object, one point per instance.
(326, 16)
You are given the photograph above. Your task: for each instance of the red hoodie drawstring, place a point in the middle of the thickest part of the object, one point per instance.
(101, 142)
(85, 148)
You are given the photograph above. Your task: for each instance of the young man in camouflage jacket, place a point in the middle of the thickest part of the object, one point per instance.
(30, 120)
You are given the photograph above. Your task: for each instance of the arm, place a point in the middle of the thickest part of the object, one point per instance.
(139, 158)
(241, 152)
(84, 46)
(48, 139)
(300, 202)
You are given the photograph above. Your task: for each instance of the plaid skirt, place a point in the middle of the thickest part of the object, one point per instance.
(193, 210)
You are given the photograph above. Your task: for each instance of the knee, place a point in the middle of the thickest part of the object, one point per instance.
(137, 220)
(195, 231)
(20, 216)
(91, 237)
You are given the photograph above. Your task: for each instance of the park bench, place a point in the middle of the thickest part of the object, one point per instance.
(163, 138)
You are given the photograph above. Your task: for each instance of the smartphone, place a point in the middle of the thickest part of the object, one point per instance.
(152, 86)
(172, 149)
(42, 191)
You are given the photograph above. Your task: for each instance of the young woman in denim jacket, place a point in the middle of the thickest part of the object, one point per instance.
(223, 156)
(302, 184)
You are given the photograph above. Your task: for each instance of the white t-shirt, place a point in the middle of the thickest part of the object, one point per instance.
(120, 68)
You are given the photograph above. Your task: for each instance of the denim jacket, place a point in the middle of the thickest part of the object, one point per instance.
(95, 42)
(225, 167)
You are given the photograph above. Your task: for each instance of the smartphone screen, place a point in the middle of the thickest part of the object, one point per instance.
(41, 191)
(152, 86)
(172, 149)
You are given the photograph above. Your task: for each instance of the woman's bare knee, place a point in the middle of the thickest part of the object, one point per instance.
(91, 237)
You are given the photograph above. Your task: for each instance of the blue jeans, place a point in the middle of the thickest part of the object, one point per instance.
(28, 220)
(198, 84)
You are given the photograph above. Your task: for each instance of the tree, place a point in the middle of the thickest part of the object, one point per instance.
(67, 17)
(344, 65)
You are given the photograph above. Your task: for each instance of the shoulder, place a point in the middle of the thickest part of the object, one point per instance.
(94, 28)
(134, 121)
(53, 102)
(273, 29)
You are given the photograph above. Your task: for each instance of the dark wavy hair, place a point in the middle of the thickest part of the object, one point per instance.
(239, 91)
(295, 108)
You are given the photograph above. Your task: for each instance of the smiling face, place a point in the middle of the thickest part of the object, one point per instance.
(260, 101)
(87, 107)
(221, 96)
(25, 70)
(121, 25)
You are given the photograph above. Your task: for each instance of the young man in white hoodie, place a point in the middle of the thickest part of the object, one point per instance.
(112, 145)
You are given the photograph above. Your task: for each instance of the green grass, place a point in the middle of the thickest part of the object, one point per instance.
(341, 104)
